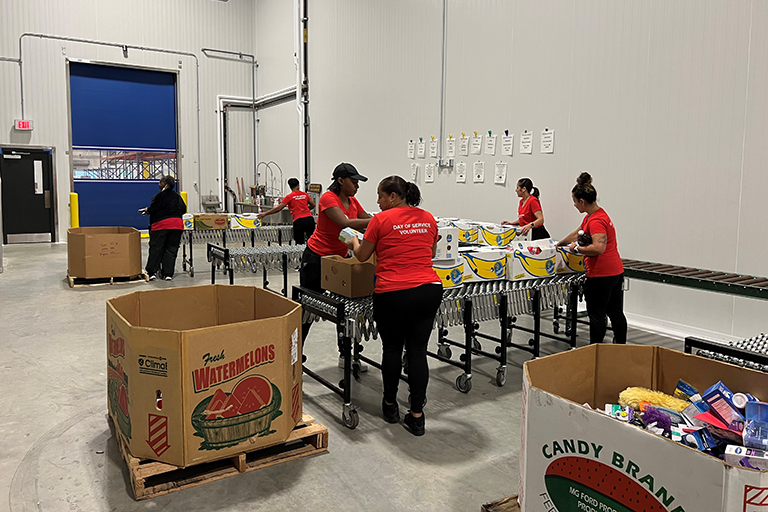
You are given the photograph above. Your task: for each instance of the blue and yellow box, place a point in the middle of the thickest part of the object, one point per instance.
(568, 262)
(496, 235)
(531, 260)
(484, 264)
(467, 231)
(244, 221)
(189, 221)
(451, 272)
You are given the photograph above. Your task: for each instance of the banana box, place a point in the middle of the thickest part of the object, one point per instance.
(531, 259)
(467, 231)
(189, 221)
(568, 262)
(451, 272)
(484, 264)
(445, 222)
(497, 235)
(244, 221)
(448, 246)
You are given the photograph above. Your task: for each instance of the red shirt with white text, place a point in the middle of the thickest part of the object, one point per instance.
(404, 237)
(298, 204)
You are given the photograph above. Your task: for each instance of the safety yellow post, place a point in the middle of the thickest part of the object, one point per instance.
(74, 210)
(184, 197)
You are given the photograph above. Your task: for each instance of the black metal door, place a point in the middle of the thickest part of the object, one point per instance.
(27, 193)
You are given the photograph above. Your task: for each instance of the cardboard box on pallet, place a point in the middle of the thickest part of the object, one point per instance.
(206, 221)
(99, 252)
(349, 277)
(575, 458)
(201, 373)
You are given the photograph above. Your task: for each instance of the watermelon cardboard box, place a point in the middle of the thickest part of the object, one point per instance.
(207, 221)
(576, 459)
(202, 373)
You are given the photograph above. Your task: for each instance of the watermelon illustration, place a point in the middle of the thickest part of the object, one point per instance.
(216, 405)
(227, 419)
(117, 397)
(571, 480)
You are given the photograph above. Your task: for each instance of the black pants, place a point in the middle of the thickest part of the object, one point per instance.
(539, 233)
(404, 319)
(163, 248)
(605, 296)
(303, 229)
(311, 279)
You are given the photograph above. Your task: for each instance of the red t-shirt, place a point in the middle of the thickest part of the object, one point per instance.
(404, 237)
(608, 263)
(170, 223)
(325, 240)
(525, 212)
(298, 204)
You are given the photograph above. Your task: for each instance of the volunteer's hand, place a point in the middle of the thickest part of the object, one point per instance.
(143, 211)
(261, 216)
(572, 247)
(525, 229)
(506, 223)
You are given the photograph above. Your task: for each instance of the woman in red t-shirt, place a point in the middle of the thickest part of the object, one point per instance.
(604, 289)
(299, 204)
(530, 216)
(408, 292)
(338, 209)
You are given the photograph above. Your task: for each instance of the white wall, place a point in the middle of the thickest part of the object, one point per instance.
(664, 103)
(183, 25)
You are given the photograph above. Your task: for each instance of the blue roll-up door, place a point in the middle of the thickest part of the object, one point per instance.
(123, 115)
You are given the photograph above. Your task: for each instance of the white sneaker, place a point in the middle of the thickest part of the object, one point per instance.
(363, 366)
(152, 278)
(168, 278)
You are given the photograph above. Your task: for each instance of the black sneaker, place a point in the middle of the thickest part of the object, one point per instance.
(391, 412)
(414, 425)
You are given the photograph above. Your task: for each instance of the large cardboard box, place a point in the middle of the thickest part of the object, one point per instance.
(531, 259)
(575, 458)
(348, 276)
(103, 252)
(206, 221)
(484, 264)
(467, 231)
(202, 373)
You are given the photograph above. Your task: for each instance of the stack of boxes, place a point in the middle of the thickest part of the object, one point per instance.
(447, 262)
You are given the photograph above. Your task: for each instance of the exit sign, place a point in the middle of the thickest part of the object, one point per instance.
(23, 125)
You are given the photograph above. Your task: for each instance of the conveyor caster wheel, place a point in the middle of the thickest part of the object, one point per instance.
(530, 342)
(463, 383)
(497, 350)
(513, 320)
(463, 357)
(501, 377)
(356, 371)
(350, 418)
(342, 384)
(556, 327)
(444, 351)
(476, 344)
(191, 273)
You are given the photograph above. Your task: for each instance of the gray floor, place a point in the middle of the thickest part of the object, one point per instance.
(57, 453)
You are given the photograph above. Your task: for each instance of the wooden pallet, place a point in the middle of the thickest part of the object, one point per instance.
(83, 281)
(150, 478)
(508, 504)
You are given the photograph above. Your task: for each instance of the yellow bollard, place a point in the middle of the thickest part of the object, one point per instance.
(74, 210)
(184, 197)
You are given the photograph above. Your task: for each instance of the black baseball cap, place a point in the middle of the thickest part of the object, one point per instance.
(344, 170)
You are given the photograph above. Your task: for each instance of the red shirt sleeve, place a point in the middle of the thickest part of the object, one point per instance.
(328, 200)
(287, 199)
(598, 226)
(372, 231)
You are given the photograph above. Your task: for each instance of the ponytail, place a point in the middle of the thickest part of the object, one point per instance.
(406, 190)
(535, 192)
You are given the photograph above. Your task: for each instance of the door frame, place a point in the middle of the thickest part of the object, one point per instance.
(54, 186)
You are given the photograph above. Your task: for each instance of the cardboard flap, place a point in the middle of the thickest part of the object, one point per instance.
(178, 308)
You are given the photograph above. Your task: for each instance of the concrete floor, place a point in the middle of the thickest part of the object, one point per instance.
(57, 452)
